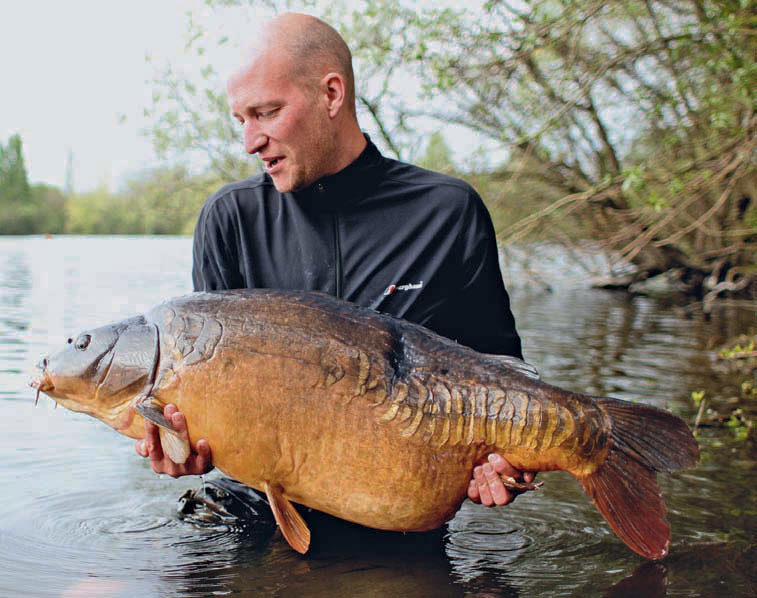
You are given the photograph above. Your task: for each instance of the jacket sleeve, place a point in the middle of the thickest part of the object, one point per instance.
(478, 314)
(215, 261)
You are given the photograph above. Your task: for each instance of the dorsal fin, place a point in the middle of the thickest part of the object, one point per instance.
(292, 525)
(518, 365)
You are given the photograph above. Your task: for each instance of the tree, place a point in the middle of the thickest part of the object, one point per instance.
(50, 209)
(640, 116)
(16, 207)
(167, 200)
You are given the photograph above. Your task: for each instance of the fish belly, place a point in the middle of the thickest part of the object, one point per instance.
(340, 461)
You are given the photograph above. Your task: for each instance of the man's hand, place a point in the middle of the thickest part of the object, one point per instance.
(196, 464)
(486, 487)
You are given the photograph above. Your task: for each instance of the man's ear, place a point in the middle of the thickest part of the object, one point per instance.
(336, 92)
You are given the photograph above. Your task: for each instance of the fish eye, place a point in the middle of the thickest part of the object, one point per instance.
(83, 342)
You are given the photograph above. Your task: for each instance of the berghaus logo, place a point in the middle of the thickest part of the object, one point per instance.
(392, 288)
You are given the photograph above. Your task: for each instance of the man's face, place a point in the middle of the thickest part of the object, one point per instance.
(285, 122)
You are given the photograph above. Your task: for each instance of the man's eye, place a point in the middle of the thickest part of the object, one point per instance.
(267, 113)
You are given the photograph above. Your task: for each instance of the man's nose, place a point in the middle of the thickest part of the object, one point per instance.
(254, 140)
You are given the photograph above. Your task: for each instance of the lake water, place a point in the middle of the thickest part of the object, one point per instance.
(83, 515)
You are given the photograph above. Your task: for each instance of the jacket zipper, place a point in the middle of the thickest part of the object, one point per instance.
(338, 260)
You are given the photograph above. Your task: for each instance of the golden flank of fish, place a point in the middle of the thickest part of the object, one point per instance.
(362, 415)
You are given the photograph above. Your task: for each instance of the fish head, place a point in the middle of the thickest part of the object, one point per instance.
(99, 371)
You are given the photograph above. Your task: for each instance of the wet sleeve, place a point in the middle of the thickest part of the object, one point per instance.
(479, 315)
(215, 261)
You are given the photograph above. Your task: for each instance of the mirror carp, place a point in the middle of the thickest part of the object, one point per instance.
(361, 415)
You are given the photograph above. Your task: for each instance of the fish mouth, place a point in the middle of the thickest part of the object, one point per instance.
(42, 384)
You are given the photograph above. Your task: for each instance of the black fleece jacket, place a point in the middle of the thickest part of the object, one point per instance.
(381, 233)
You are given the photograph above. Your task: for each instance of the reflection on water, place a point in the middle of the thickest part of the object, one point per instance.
(84, 516)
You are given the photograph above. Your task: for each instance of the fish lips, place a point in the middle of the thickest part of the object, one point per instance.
(44, 382)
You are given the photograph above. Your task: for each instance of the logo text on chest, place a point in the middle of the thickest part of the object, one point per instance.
(392, 288)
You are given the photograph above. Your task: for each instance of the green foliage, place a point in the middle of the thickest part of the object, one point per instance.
(15, 194)
(738, 359)
(167, 201)
(14, 184)
(50, 213)
(737, 350)
(162, 201)
(97, 212)
(159, 202)
(25, 208)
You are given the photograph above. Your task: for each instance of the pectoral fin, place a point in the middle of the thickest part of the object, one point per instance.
(174, 445)
(292, 525)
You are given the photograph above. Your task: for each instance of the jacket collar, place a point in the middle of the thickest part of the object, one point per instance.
(348, 186)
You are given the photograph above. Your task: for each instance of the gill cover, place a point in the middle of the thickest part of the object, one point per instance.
(131, 362)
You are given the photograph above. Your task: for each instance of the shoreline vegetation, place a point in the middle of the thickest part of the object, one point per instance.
(734, 408)
(629, 125)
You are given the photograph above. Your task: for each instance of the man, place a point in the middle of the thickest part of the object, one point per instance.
(330, 213)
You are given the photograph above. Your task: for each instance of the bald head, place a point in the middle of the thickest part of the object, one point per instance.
(295, 98)
(312, 49)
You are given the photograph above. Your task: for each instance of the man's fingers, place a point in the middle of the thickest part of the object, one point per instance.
(152, 442)
(497, 489)
(204, 459)
(177, 419)
(483, 486)
(203, 447)
(473, 492)
(502, 466)
(140, 448)
(151, 434)
(487, 487)
(199, 461)
(156, 453)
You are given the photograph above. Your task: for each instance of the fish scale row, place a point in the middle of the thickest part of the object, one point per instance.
(450, 414)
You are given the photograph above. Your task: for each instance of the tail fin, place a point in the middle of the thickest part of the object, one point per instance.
(624, 489)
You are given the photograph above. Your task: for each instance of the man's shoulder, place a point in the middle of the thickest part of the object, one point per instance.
(443, 191)
(223, 208)
(402, 173)
(257, 184)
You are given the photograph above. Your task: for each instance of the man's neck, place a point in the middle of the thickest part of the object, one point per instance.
(352, 146)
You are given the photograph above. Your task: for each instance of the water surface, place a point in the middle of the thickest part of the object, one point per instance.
(85, 516)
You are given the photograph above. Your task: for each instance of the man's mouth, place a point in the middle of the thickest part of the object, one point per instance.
(272, 163)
